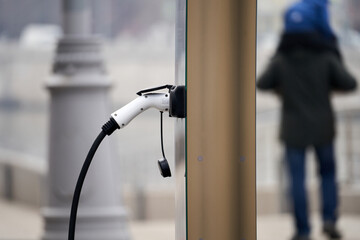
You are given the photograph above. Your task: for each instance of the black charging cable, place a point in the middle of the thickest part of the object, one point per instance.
(107, 129)
(163, 163)
(162, 135)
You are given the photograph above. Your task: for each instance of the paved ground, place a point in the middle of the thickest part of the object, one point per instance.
(280, 227)
(18, 222)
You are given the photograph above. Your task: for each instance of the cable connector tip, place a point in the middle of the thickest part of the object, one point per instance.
(110, 126)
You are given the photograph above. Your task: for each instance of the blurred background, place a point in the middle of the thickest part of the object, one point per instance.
(272, 183)
(139, 52)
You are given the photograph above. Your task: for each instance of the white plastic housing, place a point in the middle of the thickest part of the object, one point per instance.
(127, 113)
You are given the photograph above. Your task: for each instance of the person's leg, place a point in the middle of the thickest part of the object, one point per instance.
(295, 158)
(327, 171)
(329, 195)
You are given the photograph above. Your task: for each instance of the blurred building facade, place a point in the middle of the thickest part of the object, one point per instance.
(110, 17)
(353, 6)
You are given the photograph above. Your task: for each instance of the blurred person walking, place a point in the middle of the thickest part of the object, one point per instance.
(305, 69)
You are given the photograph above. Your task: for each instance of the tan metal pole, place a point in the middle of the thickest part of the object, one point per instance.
(221, 51)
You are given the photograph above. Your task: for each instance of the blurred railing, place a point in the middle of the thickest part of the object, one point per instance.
(347, 146)
(270, 150)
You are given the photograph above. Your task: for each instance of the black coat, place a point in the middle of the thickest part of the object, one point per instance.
(304, 77)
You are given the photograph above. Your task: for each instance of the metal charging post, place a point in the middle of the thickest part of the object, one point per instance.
(215, 146)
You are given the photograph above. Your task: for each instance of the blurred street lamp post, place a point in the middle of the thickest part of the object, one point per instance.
(78, 108)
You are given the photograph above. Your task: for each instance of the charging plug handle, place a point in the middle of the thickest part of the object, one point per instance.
(140, 93)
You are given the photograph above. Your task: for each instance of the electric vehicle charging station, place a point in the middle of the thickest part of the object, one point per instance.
(215, 143)
(173, 102)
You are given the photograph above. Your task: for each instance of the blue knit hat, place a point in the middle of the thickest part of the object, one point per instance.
(308, 16)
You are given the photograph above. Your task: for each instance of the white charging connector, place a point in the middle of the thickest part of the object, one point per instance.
(128, 112)
(119, 119)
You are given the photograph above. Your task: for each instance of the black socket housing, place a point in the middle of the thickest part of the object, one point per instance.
(178, 101)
